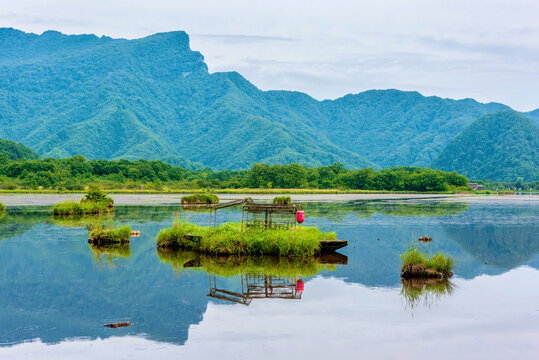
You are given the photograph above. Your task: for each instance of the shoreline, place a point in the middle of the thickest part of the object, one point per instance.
(13, 200)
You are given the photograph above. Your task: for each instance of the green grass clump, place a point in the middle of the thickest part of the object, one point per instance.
(80, 208)
(110, 235)
(200, 199)
(95, 202)
(2, 208)
(418, 264)
(229, 239)
(282, 200)
(233, 265)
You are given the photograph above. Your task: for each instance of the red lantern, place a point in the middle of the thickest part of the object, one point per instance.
(300, 216)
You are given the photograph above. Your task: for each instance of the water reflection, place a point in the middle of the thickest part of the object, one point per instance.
(259, 286)
(255, 277)
(109, 253)
(235, 265)
(425, 292)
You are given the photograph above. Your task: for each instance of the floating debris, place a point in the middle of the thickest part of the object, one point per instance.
(425, 239)
(135, 233)
(117, 325)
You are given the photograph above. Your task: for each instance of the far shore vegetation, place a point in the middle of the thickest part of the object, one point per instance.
(228, 239)
(75, 174)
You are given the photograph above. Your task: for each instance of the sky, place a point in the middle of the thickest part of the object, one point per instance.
(482, 49)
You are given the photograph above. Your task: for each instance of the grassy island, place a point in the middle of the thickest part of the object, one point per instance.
(197, 199)
(228, 239)
(95, 202)
(110, 235)
(416, 264)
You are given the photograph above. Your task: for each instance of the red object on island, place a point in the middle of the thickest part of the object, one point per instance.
(300, 216)
(300, 286)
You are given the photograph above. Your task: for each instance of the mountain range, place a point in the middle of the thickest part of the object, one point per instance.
(154, 98)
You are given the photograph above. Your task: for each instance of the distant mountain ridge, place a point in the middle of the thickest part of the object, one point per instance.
(502, 146)
(153, 98)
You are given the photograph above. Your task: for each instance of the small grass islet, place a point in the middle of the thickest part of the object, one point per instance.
(95, 202)
(198, 199)
(228, 239)
(105, 235)
(282, 200)
(416, 264)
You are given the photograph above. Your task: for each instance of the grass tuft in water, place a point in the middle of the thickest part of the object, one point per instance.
(110, 235)
(416, 264)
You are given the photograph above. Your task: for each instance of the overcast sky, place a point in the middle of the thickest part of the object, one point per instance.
(487, 50)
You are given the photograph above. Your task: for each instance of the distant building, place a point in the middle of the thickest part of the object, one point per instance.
(476, 187)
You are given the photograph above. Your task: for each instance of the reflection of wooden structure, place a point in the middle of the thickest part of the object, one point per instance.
(255, 286)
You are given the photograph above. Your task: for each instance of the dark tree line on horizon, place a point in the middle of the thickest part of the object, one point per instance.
(76, 172)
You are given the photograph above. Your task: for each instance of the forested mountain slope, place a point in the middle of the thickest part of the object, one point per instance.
(501, 146)
(16, 151)
(153, 98)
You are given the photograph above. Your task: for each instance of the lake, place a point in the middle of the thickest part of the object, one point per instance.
(57, 292)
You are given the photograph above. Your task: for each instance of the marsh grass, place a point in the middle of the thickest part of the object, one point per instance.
(425, 291)
(282, 200)
(109, 234)
(415, 263)
(229, 239)
(200, 199)
(233, 265)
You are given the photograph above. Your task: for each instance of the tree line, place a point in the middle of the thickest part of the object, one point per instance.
(75, 173)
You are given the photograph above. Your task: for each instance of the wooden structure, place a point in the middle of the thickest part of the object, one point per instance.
(269, 216)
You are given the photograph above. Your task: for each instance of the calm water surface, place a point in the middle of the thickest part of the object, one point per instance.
(56, 292)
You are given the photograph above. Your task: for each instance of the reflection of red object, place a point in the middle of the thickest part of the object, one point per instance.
(299, 286)
(300, 216)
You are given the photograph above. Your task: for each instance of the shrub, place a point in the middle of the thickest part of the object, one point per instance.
(200, 199)
(110, 235)
(229, 239)
(282, 200)
(95, 194)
